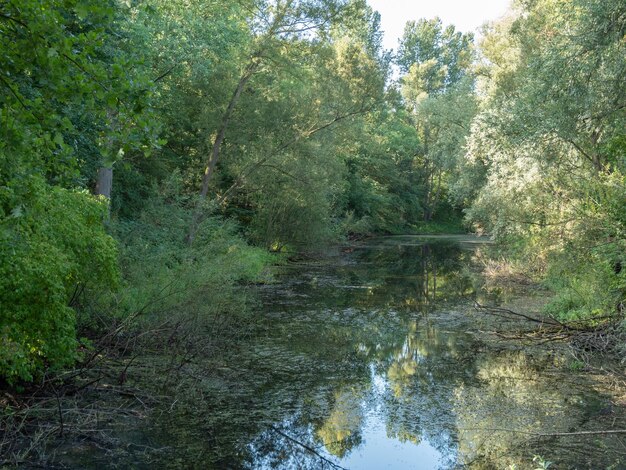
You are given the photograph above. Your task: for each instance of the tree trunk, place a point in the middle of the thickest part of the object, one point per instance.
(221, 133)
(217, 144)
(435, 199)
(104, 183)
(429, 196)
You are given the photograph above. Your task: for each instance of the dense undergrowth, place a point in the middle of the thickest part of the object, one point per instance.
(47, 255)
(170, 307)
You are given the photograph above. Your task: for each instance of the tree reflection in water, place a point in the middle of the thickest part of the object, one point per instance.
(367, 359)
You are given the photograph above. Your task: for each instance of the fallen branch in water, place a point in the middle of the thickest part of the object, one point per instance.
(601, 338)
(550, 321)
(609, 320)
(583, 433)
(531, 336)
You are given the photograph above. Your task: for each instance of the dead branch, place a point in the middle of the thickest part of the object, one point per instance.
(494, 310)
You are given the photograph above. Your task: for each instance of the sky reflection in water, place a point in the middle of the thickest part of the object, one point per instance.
(386, 369)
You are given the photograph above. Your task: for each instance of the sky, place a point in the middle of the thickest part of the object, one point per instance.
(466, 15)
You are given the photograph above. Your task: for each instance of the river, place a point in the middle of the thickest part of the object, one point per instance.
(375, 358)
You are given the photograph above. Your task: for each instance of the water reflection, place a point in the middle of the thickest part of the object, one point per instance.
(369, 361)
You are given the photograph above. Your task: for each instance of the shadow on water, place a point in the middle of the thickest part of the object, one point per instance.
(371, 359)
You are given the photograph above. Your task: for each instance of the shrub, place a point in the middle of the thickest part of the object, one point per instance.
(50, 244)
(165, 279)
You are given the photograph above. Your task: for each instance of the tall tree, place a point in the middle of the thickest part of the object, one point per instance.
(437, 87)
(274, 24)
(551, 137)
(286, 164)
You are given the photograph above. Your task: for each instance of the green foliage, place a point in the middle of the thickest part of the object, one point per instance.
(541, 463)
(576, 365)
(166, 279)
(383, 192)
(547, 147)
(70, 103)
(53, 245)
(293, 216)
(66, 90)
(587, 273)
(434, 56)
(193, 53)
(454, 225)
(438, 89)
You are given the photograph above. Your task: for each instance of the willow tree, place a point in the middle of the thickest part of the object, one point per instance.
(274, 25)
(285, 168)
(551, 135)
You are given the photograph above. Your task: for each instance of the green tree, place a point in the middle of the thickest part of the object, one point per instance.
(274, 26)
(432, 56)
(437, 87)
(550, 135)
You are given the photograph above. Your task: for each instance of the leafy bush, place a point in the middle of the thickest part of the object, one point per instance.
(50, 244)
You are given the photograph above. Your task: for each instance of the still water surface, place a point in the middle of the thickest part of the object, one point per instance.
(375, 358)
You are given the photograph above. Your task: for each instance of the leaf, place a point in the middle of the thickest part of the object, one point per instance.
(82, 11)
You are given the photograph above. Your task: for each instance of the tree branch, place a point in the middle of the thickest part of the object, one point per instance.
(303, 135)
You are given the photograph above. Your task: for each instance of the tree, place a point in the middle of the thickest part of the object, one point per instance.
(297, 174)
(437, 87)
(274, 25)
(382, 194)
(434, 57)
(550, 136)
